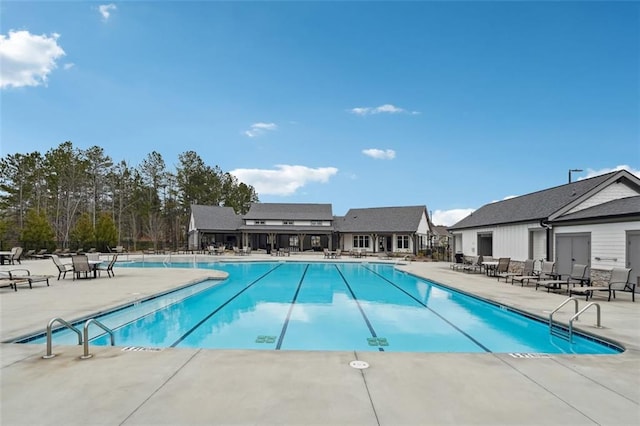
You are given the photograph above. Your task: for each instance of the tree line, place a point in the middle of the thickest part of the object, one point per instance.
(80, 198)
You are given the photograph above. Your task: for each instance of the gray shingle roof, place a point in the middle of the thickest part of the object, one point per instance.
(289, 211)
(622, 207)
(215, 218)
(381, 219)
(535, 206)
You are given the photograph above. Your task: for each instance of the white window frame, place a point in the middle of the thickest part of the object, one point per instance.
(361, 241)
(403, 242)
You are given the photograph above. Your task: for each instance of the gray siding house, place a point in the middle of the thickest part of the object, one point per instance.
(592, 221)
(305, 227)
(385, 229)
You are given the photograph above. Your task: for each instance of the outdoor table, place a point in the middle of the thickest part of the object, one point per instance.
(94, 267)
(4, 255)
(490, 267)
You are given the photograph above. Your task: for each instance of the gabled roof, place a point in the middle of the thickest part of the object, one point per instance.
(541, 205)
(289, 211)
(215, 218)
(439, 230)
(623, 207)
(381, 219)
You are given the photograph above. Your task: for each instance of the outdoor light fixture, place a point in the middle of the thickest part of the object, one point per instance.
(573, 170)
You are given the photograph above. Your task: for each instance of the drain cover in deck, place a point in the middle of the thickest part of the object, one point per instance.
(359, 364)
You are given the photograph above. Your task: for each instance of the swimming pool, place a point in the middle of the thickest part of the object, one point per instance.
(325, 306)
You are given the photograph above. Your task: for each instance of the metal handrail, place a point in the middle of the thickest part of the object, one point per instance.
(575, 300)
(50, 326)
(575, 317)
(86, 336)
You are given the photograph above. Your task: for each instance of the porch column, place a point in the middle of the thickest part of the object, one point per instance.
(301, 242)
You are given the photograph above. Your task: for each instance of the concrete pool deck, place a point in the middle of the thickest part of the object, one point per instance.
(207, 387)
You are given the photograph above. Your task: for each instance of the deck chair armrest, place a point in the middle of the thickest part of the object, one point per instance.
(12, 273)
(622, 286)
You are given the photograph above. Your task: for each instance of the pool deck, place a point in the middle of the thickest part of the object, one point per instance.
(249, 387)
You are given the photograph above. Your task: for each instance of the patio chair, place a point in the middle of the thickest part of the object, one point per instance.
(81, 266)
(109, 266)
(16, 253)
(502, 270)
(578, 275)
(618, 280)
(63, 268)
(24, 276)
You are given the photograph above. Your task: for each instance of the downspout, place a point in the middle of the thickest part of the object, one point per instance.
(545, 225)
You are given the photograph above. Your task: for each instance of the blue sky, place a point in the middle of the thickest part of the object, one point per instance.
(451, 105)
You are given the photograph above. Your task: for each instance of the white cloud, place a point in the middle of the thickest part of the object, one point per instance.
(380, 154)
(284, 179)
(450, 217)
(382, 109)
(27, 59)
(591, 172)
(68, 65)
(106, 9)
(257, 129)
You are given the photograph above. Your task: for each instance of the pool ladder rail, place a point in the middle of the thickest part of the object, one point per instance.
(556, 329)
(68, 325)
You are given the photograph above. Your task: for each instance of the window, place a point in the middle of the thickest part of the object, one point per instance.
(293, 241)
(403, 241)
(360, 241)
(316, 223)
(287, 222)
(258, 222)
(315, 241)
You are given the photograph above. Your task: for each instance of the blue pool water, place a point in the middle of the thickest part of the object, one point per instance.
(325, 306)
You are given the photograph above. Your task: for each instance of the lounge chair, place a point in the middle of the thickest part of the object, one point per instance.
(618, 280)
(5, 281)
(109, 266)
(63, 268)
(459, 266)
(24, 276)
(502, 269)
(41, 254)
(546, 272)
(578, 275)
(527, 269)
(81, 266)
(384, 255)
(475, 265)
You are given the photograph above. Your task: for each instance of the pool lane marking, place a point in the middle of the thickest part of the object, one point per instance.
(184, 336)
(293, 302)
(364, 315)
(468, 336)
